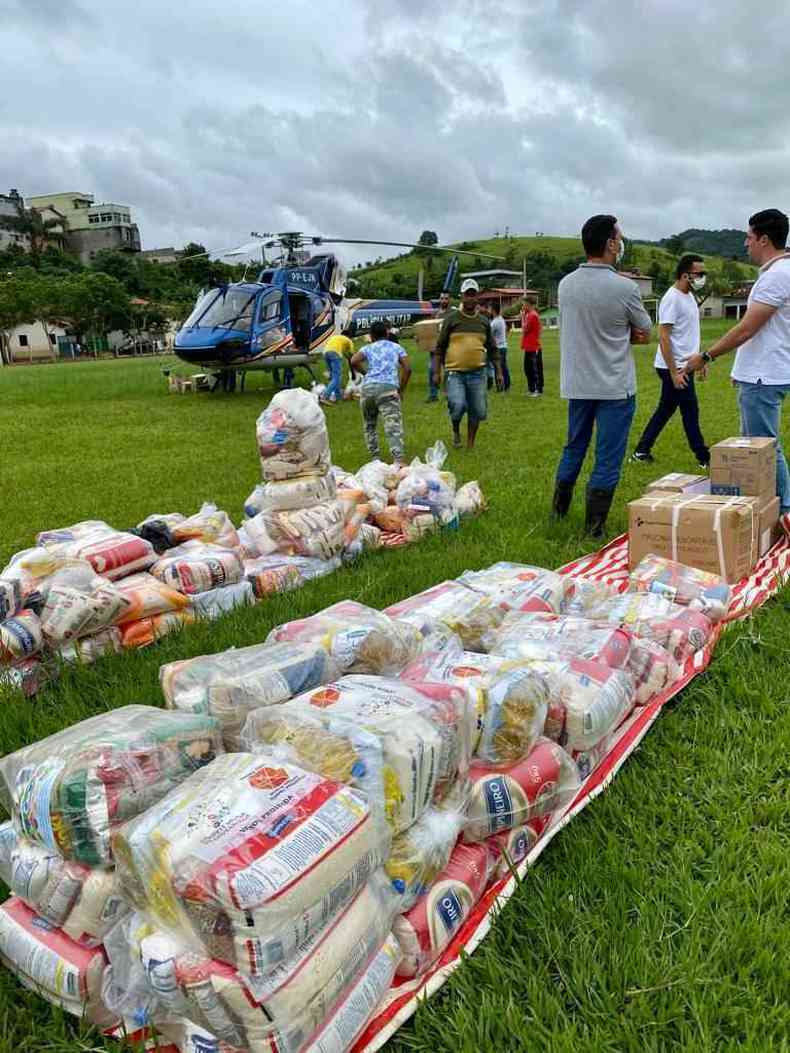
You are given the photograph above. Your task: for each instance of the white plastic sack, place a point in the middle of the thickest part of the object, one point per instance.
(292, 436)
(288, 494)
(197, 567)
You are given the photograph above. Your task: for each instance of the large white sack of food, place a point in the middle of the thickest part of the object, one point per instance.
(292, 436)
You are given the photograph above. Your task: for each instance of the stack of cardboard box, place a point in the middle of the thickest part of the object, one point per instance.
(723, 524)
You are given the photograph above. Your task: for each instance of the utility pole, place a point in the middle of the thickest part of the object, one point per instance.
(420, 282)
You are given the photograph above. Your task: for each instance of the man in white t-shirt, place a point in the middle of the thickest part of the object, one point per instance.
(678, 340)
(762, 365)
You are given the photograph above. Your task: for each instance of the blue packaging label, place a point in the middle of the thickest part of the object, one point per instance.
(499, 805)
(450, 911)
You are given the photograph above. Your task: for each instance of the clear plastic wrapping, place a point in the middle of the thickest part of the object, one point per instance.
(210, 525)
(587, 700)
(405, 745)
(378, 480)
(419, 855)
(80, 602)
(216, 602)
(424, 488)
(233, 683)
(361, 639)
(680, 630)
(698, 589)
(501, 799)
(518, 587)
(472, 615)
(112, 553)
(292, 436)
(271, 574)
(547, 636)
(287, 494)
(146, 631)
(469, 499)
(69, 792)
(249, 857)
(319, 531)
(147, 596)
(197, 567)
(425, 931)
(585, 593)
(20, 637)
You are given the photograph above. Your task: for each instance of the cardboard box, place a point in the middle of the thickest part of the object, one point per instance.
(680, 483)
(426, 333)
(717, 534)
(744, 467)
(770, 529)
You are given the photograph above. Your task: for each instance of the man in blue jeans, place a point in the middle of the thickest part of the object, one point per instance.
(762, 365)
(601, 315)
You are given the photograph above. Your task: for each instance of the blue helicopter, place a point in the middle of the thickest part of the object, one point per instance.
(282, 319)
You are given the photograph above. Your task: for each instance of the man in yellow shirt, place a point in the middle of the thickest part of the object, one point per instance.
(335, 347)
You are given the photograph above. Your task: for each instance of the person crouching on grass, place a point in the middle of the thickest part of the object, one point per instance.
(464, 348)
(386, 377)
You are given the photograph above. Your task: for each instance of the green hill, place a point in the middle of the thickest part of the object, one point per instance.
(547, 258)
(727, 243)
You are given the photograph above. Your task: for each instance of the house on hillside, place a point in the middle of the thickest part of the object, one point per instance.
(505, 297)
(88, 226)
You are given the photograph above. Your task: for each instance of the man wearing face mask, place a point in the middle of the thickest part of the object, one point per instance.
(678, 333)
(601, 315)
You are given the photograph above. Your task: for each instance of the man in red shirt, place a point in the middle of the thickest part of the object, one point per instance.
(530, 345)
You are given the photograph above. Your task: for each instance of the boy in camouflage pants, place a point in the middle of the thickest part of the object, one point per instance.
(386, 376)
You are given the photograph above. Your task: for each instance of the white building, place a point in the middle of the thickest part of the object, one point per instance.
(30, 343)
(9, 210)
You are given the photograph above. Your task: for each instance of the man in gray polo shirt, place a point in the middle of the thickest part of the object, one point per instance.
(601, 315)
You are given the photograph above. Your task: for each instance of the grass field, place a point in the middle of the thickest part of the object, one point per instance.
(658, 920)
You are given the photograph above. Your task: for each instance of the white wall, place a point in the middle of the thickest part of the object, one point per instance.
(38, 345)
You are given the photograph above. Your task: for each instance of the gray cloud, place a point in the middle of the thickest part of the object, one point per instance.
(378, 119)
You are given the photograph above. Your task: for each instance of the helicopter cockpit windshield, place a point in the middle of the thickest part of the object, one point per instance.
(224, 309)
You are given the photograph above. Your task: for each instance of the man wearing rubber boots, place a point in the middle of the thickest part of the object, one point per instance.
(601, 315)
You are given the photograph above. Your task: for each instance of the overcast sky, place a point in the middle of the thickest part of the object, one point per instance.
(386, 117)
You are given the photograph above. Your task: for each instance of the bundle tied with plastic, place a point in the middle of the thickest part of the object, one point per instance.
(548, 636)
(360, 638)
(277, 573)
(112, 553)
(292, 437)
(80, 602)
(471, 615)
(230, 685)
(70, 791)
(155, 972)
(424, 488)
(249, 857)
(210, 525)
(519, 587)
(198, 566)
(84, 903)
(510, 698)
(686, 586)
(420, 853)
(285, 495)
(649, 616)
(318, 531)
(406, 745)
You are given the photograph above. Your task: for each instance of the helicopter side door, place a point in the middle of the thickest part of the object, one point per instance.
(271, 322)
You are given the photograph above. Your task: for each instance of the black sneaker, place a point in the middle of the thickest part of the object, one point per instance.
(642, 458)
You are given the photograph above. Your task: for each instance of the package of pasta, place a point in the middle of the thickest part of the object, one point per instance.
(304, 491)
(587, 700)
(277, 573)
(210, 525)
(197, 567)
(84, 902)
(501, 799)
(469, 614)
(249, 857)
(147, 631)
(511, 847)
(419, 855)
(425, 931)
(230, 685)
(20, 637)
(549, 636)
(292, 436)
(405, 745)
(681, 630)
(510, 699)
(319, 531)
(148, 596)
(360, 638)
(80, 602)
(68, 792)
(48, 962)
(698, 589)
(518, 587)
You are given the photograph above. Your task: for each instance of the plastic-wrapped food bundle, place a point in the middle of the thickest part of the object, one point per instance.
(501, 799)
(361, 639)
(510, 698)
(470, 614)
(276, 573)
(146, 631)
(80, 602)
(368, 537)
(254, 538)
(147, 596)
(422, 488)
(318, 531)
(287, 494)
(44, 959)
(419, 854)
(686, 586)
(20, 637)
(469, 499)
(10, 597)
(585, 593)
(249, 857)
(197, 567)
(406, 745)
(111, 553)
(233, 683)
(216, 602)
(292, 436)
(77, 532)
(512, 847)
(652, 667)
(378, 480)
(588, 760)
(89, 648)
(517, 587)
(425, 931)
(210, 525)
(681, 630)
(69, 791)
(547, 636)
(85, 903)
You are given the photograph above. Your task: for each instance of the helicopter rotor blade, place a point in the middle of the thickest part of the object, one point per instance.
(405, 245)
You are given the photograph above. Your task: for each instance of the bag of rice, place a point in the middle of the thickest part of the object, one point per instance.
(249, 858)
(301, 492)
(548, 636)
(230, 685)
(113, 555)
(271, 574)
(470, 614)
(292, 436)
(361, 639)
(511, 847)
(518, 587)
(210, 525)
(197, 567)
(501, 799)
(698, 589)
(69, 791)
(425, 931)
